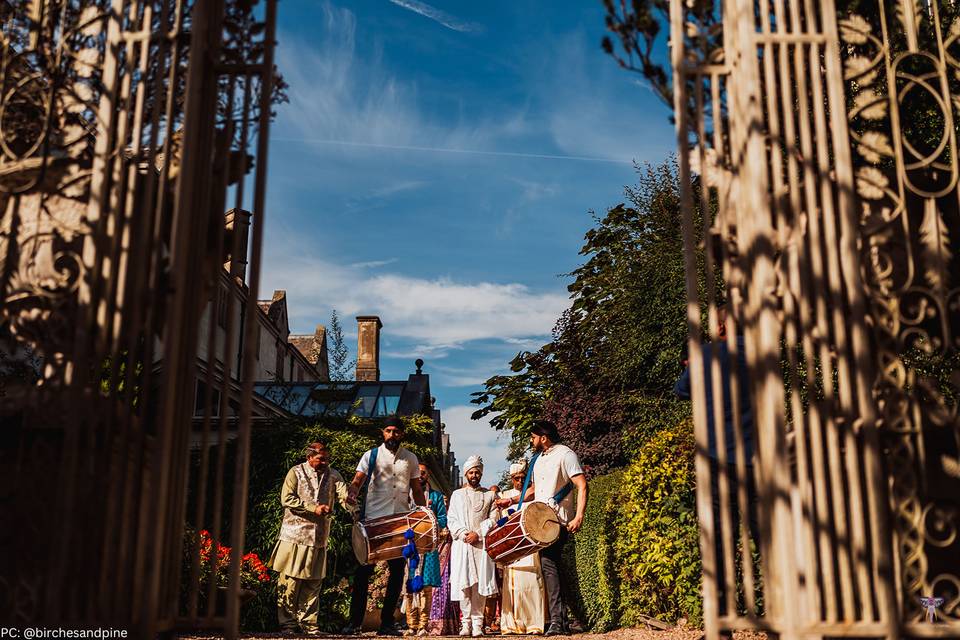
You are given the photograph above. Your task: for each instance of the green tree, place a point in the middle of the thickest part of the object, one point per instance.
(341, 367)
(618, 347)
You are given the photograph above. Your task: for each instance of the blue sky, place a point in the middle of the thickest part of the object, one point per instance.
(436, 166)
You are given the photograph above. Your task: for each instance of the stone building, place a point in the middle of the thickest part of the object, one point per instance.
(365, 397)
(279, 355)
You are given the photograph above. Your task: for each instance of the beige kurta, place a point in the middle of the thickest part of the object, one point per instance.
(301, 550)
(522, 606)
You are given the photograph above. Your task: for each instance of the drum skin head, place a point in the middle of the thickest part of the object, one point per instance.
(540, 523)
(360, 545)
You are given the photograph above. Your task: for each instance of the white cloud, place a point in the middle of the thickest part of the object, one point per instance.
(347, 96)
(587, 113)
(437, 15)
(372, 264)
(476, 437)
(439, 312)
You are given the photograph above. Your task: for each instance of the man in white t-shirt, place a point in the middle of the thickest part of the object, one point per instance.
(396, 475)
(556, 473)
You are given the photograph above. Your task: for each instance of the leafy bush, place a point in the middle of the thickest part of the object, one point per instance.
(656, 550)
(650, 414)
(589, 561)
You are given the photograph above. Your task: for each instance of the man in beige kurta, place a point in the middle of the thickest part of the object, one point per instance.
(523, 603)
(300, 555)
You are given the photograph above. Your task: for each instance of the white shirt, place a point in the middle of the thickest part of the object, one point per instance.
(388, 490)
(551, 472)
(470, 565)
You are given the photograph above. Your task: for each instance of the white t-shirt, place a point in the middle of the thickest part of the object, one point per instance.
(388, 490)
(551, 472)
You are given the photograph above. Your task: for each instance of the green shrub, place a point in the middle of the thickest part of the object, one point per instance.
(656, 550)
(649, 414)
(588, 558)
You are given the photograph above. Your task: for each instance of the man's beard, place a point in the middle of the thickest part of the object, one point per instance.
(474, 483)
(393, 445)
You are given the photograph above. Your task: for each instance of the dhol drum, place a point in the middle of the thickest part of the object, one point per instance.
(382, 538)
(527, 531)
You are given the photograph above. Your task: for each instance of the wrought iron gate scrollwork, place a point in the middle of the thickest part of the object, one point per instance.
(905, 91)
(125, 128)
(833, 168)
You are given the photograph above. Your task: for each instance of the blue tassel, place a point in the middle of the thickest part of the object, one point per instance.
(414, 584)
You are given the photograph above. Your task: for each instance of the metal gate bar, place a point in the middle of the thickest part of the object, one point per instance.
(121, 137)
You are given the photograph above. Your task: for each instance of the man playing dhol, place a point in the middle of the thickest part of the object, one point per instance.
(395, 475)
(556, 472)
(472, 572)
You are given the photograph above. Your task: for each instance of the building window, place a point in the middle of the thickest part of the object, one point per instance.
(258, 341)
(278, 371)
(199, 409)
(222, 307)
(300, 374)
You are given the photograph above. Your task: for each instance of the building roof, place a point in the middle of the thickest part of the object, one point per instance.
(380, 399)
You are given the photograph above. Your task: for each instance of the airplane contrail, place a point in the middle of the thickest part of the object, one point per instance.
(436, 15)
(480, 152)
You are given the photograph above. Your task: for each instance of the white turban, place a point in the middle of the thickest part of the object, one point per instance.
(517, 468)
(472, 461)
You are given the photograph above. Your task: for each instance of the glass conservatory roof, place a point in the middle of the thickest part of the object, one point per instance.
(315, 399)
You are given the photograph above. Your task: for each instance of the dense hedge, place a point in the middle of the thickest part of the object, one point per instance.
(638, 552)
(589, 559)
(656, 549)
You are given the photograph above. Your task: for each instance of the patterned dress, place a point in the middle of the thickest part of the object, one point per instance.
(431, 561)
(444, 612)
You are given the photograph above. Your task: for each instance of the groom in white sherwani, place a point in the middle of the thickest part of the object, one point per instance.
(472, 572)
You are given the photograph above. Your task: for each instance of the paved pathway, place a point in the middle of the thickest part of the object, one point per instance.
(619, 634)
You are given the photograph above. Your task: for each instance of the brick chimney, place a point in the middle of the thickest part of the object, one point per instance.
(237, 228)
(368, 348)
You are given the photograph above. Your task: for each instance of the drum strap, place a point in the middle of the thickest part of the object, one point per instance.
(370, 469)
(560, 495)
(526, 480)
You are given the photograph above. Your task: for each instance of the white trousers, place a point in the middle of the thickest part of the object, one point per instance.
(471, 607)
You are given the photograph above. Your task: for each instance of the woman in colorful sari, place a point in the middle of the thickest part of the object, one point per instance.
(417, 605)
(444, 612)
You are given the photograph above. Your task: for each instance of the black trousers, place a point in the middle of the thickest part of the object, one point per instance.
(722, 546)
(551, 564)
(361, 585)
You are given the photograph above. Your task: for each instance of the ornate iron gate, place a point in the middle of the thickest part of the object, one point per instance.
(820, 142)
(127, 127)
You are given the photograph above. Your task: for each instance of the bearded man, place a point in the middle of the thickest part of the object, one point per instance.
(556, 472)
(394, 475)
(300, 555)
(472, 572)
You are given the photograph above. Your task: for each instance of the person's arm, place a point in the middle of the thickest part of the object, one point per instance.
(456, 525)
(290, 499)
(682, 388)
(354, 489)
(506, 502)
(417, 488)
(358, 479)
(440, 510)
(343, 493)
(580, 482)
